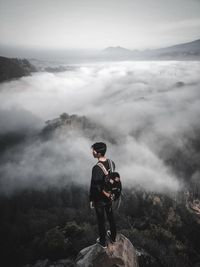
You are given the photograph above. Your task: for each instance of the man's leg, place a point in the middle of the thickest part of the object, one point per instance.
(101, 222)
(110, 216)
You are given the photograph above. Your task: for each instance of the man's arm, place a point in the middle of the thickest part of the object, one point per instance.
(96, 182)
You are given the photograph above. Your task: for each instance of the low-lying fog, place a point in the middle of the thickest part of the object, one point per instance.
(149, 107)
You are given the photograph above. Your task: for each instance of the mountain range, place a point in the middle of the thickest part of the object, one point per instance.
(190, 51)
(17, 67)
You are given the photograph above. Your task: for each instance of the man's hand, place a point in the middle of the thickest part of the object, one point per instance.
(91, 205)
(107, 194)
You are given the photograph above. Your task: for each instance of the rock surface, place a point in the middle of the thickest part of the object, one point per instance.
(119, 254)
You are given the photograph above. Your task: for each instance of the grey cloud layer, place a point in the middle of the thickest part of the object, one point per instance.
(144, 104)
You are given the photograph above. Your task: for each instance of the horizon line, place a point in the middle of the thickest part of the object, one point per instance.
(40, 48)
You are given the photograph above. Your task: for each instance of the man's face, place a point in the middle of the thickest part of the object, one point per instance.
(94, 153)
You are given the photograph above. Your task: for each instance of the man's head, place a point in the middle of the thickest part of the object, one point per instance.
(99, 149)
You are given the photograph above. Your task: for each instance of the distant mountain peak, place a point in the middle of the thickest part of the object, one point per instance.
(187, 51)
(116, 50)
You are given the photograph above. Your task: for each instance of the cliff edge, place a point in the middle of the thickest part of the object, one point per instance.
(119, 254)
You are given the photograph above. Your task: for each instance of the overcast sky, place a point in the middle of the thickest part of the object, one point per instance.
(134, 24)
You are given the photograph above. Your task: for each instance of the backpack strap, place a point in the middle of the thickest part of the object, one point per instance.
(111, 165)
(103, 168)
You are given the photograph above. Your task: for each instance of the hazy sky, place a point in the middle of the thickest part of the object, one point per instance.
(98, 23)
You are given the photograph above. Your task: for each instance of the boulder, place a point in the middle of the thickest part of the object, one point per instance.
(119, 254)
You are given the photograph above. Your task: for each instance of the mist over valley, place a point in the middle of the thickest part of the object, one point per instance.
(146, 111)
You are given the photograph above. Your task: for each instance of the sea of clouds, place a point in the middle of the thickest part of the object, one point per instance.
(149, 107)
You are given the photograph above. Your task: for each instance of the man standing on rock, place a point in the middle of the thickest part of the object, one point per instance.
(99, 199)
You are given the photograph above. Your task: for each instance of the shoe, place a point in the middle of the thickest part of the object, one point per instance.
(102, 244)
(110, 238)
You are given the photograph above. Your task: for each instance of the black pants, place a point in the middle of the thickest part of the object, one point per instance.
(101, 208)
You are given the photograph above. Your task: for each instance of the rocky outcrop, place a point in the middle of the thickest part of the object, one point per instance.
(11, 68)
(119, 254)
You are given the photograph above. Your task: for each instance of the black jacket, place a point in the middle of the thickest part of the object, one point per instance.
(96, 185)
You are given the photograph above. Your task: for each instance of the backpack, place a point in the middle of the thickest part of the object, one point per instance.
(112, 185)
